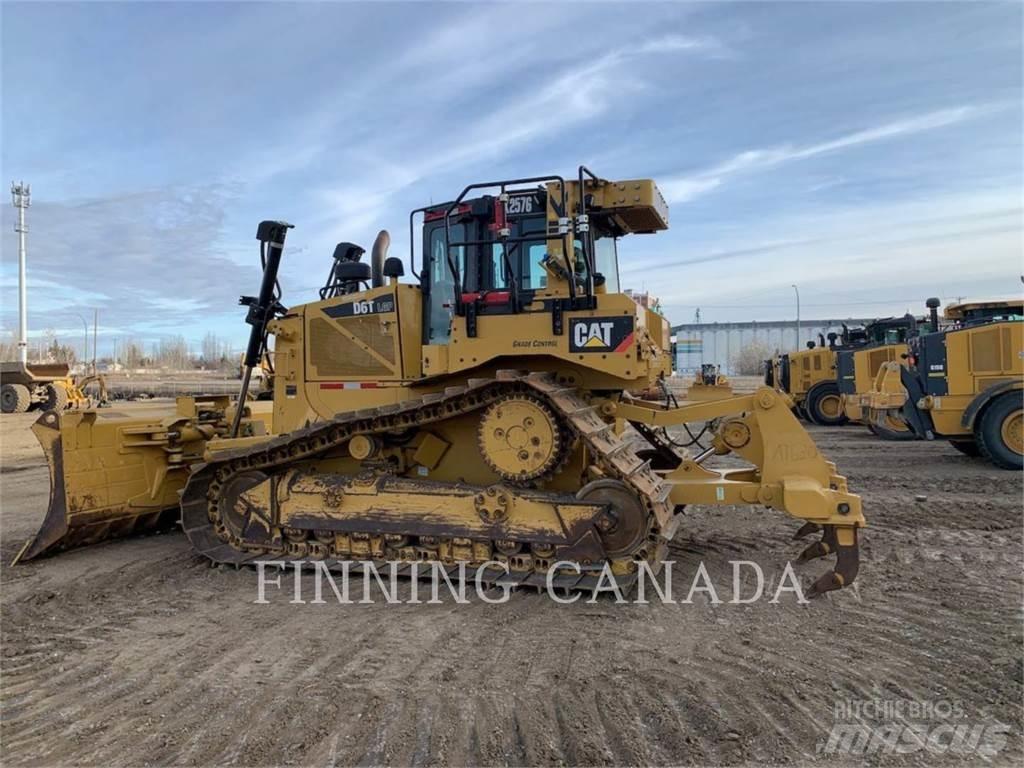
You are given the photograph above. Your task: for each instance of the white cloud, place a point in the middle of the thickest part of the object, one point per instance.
(680, 189)
(564, 100)
(960, 243)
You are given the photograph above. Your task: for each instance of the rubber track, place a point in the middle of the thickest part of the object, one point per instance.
(612, 455)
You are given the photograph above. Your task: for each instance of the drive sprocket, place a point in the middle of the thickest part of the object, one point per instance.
(520, 438)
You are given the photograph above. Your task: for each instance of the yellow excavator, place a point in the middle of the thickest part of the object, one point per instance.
(483, 412)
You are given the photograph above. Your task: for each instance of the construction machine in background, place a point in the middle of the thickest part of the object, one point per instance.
(262, 375)
(809, 378)
(47, 387)
(709, 383)
(484, 412)
(860, 355)
(962, 382)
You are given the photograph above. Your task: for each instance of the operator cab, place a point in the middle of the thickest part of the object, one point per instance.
(540, 244)
(977, 312)
(495, 274)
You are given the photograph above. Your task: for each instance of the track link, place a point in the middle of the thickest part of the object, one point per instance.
(203, 497)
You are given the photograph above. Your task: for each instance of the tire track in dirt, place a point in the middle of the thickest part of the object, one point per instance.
(168, 661)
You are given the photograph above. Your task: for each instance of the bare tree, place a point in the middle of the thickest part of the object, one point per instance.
(173, 353)
(211, 349)
(133, 354)
(749, 361)
(61, 353)
(9, 348)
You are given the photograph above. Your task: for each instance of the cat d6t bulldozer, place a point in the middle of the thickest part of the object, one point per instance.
(480, 412)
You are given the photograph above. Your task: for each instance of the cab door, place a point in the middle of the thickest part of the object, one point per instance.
(439, 284)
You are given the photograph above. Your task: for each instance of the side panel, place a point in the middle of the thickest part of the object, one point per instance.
(354, 338)
(614, 341)
(346, 353)
(960, 364)
(808, 367)
(931, 354)
(846, 368)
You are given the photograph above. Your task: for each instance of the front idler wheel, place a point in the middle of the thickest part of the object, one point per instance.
(623, 529)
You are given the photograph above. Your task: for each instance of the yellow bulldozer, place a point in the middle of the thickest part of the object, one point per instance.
(482, 412)
(963, 382)
(709, 383)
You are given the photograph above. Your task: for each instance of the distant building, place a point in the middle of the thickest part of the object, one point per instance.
(718, 343)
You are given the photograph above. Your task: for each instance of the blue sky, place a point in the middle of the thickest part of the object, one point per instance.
(871, 153)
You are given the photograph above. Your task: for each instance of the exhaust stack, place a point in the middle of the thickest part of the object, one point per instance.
(378, 254)
(933, 307)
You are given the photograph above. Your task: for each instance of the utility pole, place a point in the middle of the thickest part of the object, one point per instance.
(797, 316)
(95, 325)
(21, 198)
(85, 343)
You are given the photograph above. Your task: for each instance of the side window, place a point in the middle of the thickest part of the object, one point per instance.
(499, 272)
(534, 275)
(440, 272)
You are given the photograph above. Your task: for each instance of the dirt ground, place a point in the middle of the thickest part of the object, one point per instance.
(137, 653)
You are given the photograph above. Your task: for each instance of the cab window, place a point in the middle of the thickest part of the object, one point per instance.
(606, 262)
(441, 302)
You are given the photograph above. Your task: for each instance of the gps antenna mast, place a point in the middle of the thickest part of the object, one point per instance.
(21, 198)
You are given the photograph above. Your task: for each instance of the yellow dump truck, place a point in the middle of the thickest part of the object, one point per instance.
(46, 387)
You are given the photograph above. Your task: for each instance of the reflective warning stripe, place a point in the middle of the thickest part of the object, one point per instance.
(349, 385)
(625, 344)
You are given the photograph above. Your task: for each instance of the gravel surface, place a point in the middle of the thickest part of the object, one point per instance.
(137, 652)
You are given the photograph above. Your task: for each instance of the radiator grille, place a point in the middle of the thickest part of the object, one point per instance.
(875, 359)
(986, 350)
(333, 354)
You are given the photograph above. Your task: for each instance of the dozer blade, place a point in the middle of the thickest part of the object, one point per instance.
(102, 486)
(115, 473)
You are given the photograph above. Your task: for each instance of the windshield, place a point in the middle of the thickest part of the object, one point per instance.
(606, 262)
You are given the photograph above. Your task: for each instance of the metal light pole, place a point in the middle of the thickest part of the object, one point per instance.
(797, 315)
(85, 342)
(21, 198)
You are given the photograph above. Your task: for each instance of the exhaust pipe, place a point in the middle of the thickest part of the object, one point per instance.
(933, 308)
(378, 254)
